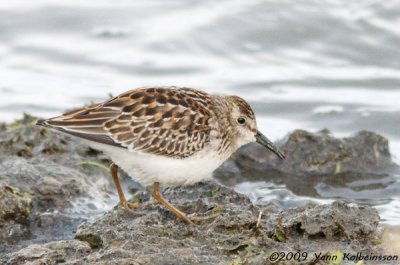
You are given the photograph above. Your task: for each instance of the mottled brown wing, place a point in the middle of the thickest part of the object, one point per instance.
(164, 121)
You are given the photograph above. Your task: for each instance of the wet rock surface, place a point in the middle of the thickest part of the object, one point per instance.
(338, 221)
(313, 161)
(51, 253)
(152, 235)
(320, 154)
(15, 208)
(45, 177)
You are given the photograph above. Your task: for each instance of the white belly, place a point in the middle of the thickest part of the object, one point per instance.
(147, 169)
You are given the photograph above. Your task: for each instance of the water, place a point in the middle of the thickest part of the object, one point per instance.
(303, 64)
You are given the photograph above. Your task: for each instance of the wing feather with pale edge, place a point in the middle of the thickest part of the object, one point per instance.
(172, 122)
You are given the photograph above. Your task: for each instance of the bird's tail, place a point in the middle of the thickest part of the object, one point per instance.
(42, 123)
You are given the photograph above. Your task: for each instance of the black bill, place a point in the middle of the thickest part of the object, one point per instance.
(261, 139)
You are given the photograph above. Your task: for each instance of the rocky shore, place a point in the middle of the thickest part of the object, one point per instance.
(53, 192)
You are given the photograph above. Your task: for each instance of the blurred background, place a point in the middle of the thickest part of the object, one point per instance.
(303, 64)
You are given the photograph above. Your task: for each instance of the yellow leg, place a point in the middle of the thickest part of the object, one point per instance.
(157, 196)
(155, 192)
(122, 199)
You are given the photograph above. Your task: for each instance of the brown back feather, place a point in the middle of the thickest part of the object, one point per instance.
(171, 122)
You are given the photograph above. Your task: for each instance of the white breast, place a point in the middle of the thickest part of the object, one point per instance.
(147, 168)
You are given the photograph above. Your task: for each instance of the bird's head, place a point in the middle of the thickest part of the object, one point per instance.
(243, 122)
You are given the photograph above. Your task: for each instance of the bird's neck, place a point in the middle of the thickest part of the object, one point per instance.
(225, 131)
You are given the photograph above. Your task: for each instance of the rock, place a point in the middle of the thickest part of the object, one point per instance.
(61, 176)
(14, 204)
(311, 160)
(51, 253)
(93, 240)
(338, 221)
(15, 208)
(23, 138)
(320, 154)
(152, 235)
(51, 183)
(66, 182)
(324, 154)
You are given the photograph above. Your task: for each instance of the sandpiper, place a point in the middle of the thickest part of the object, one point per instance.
(166, 136)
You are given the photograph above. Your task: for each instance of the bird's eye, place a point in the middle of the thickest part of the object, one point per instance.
(241, 120)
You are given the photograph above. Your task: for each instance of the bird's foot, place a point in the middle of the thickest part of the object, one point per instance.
(155, 202)
(215, 212)
(178, 213)
(193, 220)
(203, 218)
(184, 217)
(129, 206)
